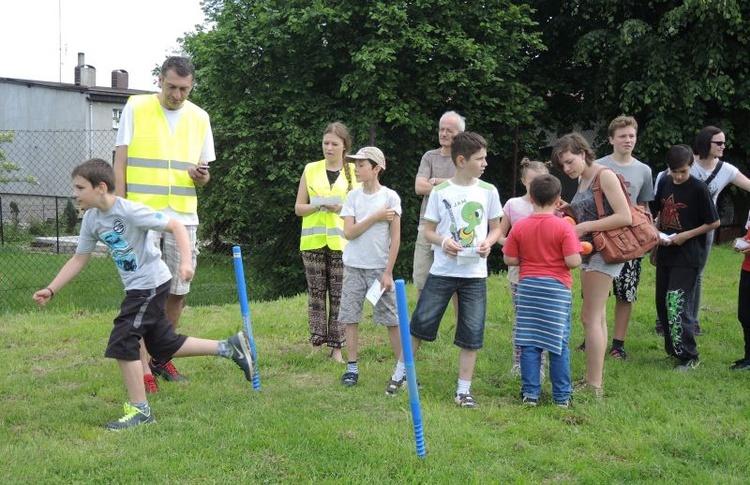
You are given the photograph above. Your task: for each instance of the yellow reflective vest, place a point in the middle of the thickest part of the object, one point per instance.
(321, 228)
(158, 160)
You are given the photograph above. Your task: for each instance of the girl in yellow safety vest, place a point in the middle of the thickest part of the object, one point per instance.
(320, 196)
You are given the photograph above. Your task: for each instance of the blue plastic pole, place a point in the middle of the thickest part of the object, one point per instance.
(239, 274)
(411, 373)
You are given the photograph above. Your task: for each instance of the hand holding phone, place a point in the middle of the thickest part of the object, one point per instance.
(203, 169)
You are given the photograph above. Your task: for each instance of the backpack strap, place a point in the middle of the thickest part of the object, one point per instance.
(714, 173)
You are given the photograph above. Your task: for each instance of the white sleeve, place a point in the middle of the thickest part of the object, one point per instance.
(125, 127)
(208, 153)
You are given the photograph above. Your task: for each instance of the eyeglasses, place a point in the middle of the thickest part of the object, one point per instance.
(719, 143)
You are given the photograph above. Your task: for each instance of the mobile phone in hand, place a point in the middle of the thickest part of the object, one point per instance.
(202, 168)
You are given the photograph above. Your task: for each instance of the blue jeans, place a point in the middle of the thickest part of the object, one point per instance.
(559, 371)
(472, 306)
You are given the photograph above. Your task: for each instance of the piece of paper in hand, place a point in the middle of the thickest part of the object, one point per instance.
(468, 255)
(318, 201)
(375, 292)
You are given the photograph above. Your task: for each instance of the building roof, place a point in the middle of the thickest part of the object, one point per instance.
(97, 93)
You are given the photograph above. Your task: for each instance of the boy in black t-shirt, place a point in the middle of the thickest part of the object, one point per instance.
(685, 212)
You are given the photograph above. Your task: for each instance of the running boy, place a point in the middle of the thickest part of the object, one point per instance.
(123, 226)
(372, 225)
(686, 212)
(546, 247)
(462, 222)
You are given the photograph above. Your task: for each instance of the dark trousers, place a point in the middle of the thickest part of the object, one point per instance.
(743, 308)
(675, 288)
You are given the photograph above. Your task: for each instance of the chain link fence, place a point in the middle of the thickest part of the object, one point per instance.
(39, 223)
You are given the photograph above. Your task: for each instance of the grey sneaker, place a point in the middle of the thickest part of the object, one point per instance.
(133, 417)
(688, 366)
(241, 354)
(466, 401)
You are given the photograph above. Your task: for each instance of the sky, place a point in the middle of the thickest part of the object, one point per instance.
(134, 35)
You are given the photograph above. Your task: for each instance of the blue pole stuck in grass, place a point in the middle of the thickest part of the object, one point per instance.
(239, 274)
(411, 373)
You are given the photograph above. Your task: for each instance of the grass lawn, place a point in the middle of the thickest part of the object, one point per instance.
(654, 426)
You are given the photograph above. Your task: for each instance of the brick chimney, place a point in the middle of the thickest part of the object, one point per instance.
(120, 79)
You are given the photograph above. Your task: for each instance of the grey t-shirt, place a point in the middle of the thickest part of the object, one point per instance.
(637, 177)
(434, 165)
(124, 230)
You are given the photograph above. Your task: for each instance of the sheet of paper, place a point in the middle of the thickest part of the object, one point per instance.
(318, 201)
(666, 237)
(375, 292)
(468, 256)
(741, 244)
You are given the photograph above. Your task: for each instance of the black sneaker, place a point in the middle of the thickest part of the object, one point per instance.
(529, 401)
(393, 386)
(166, 371)
(350, 379)
(241, 354)
(742, 364)
(688, 365)
(133, 417)
(566, 404)
(618, 353)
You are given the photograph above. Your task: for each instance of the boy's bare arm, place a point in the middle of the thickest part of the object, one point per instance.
(511, 261)
(573, 260)
(120, 167)
(504, 230)
(386, 281)
(182, 239)
(492, 236)
(680, 238)
(449, 245)
(69, 271)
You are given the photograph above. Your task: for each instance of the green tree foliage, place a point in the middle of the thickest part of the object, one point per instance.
(273, 73)
(8, 169)
(676, 65)
(70, 217)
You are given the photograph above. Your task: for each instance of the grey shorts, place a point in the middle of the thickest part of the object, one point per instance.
(625, 285)
(423, 258)
(169, 253)
(596, 263)
(356, 283)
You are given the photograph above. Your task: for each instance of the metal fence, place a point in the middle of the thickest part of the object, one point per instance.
(39, 221)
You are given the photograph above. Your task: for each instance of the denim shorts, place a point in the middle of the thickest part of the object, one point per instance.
(356, 283)
(472, 306)
(597, 263)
